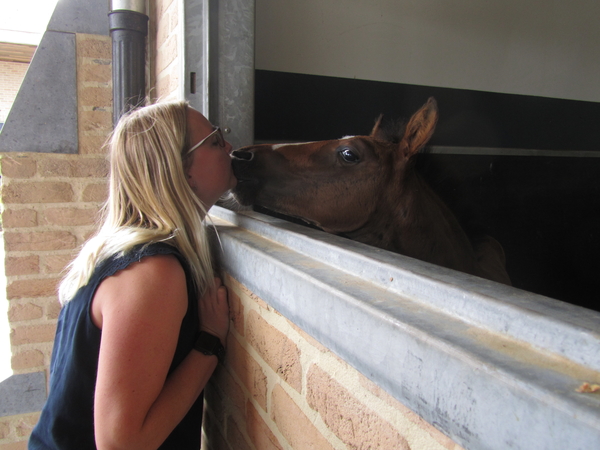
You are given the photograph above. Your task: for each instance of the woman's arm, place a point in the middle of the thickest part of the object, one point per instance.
(140, 310)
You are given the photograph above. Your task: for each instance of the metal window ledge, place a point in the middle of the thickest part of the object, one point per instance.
(492, 366)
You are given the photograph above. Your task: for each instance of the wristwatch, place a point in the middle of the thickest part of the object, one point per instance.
(209, 345)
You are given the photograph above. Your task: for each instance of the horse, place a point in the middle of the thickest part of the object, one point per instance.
(366, 188)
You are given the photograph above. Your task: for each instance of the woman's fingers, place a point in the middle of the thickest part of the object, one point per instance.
(214, 311)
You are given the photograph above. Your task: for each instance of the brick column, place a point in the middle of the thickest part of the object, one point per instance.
(50, 205)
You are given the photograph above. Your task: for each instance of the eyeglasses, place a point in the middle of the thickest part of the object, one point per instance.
(220, 140)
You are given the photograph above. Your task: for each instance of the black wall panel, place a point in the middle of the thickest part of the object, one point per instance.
(545, 210)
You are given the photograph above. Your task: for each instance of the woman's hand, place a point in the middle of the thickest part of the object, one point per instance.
(214, 311)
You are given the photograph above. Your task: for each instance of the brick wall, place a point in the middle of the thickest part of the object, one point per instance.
(11, 77)
(281, 389)
(50, 203)
(165, 61)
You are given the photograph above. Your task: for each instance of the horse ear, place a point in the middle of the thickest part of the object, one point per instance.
(377, 132)
(420, 128)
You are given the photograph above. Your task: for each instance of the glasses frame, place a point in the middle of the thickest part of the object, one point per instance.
(220, 140)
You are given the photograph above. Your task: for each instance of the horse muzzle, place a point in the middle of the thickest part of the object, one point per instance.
(248, 185)
(262, 173)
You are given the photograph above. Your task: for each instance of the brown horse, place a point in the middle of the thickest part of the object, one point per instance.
(366, 188)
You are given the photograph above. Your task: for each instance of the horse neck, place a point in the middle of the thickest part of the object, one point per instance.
(413, 220)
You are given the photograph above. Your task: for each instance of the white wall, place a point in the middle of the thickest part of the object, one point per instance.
(547, 48)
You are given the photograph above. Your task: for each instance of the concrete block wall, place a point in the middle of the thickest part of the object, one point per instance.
(281, 389)
(11, 77)
(50, 205)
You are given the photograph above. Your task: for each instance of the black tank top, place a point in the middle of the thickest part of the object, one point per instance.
(67, 418)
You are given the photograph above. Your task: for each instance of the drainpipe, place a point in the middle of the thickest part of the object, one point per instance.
(128, 23)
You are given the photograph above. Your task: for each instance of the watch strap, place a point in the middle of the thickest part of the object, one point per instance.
(209, 344)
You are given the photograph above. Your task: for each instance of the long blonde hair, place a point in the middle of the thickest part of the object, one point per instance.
(149, 198)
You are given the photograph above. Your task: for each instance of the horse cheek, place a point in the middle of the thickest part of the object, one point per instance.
(345, 213)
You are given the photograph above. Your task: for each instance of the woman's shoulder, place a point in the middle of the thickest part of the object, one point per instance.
(122, 260)
(150, 286)
(161, 263)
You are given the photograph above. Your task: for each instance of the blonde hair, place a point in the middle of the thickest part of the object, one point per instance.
(149, 198)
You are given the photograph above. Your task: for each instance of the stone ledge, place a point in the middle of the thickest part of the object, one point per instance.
(22, 394)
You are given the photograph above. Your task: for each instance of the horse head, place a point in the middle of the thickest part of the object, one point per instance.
(338, 185)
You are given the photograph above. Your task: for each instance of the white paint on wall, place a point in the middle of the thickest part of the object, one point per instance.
(548, 48)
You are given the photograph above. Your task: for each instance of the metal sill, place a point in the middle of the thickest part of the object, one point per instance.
(491, 366)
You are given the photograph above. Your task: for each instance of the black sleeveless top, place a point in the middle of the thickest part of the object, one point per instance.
(67, 418)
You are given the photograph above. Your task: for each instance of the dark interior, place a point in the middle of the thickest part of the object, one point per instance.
(543, 206)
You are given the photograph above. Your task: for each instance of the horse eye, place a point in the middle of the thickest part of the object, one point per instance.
(348, 155)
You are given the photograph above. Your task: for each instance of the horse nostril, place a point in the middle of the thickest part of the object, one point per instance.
(242, 154)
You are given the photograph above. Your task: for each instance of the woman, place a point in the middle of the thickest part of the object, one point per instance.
(144, 319)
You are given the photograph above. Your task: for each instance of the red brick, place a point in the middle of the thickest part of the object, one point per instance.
(215, 401)
(31, 334)
(95, 96)
(51, 307)
(25, 425)
(69, 216)
(22, 265)
(94, 47)
(236, 311)
(95, 192)
(95, 120)
(27, 311)
(53, 264)
(27, 359)
(93, 167)
(37, 192)
(349, 419)
(294, 425)
(260, 434)
(167, 53)
(440, 437)
(18, 167)
(212, 437)
(235, 438)
(98, 70)
(19, 218)
(279, 352)
(163, 84)
(22, 445)
(39, 241)
(4, 429)
(41, 287)
(248, 371)
(81, 168)
(92, 144)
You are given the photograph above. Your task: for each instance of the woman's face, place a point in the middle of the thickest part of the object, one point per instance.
(209, 173)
